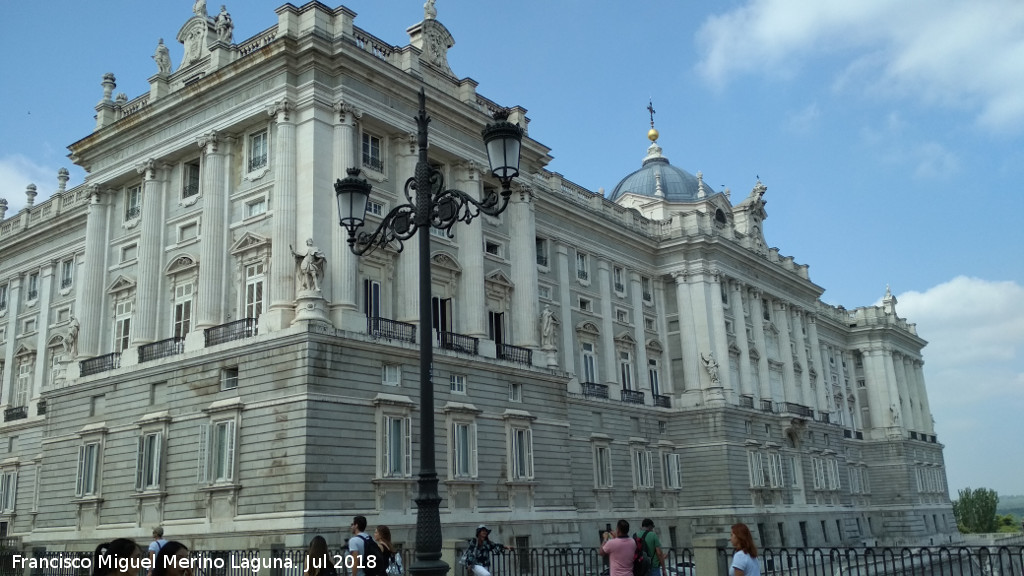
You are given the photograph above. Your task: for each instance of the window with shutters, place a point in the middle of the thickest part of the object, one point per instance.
(217, 451)
(672, 471)
(396, 446)
(755, 468)
(776, 478)
(122, 324)
(8, 490)
(462, 457)
(521, 453)
(148, 461)
(182, 320)
(87, 481)
(255, 277)
(643, 476)
(602, 465)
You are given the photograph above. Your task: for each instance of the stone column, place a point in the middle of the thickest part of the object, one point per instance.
(877, 388)
(719, 342)
(523, 249)
(906, 396)
(804, 384)
(746, 385)
(790, 386)
(824, 398)
(472, 292)
(915, 393)
(763, 368)
(668, 383)
(43, 330)
(212, 250)
(687, 334)
(643, 379)
(13, 305)
(852, 392)
(927, 422)
(608, 352)
(344, 267)
(566, 329)
(407, 275)
(150, 252)
(283, 225)
(898, 419)
(90, 297)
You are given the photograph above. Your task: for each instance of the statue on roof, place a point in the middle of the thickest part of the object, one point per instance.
(429, 10)
(223, 25)
(199, 8)
(163, 59)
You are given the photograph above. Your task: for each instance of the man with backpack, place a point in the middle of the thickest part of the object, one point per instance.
(367, 557)
(650, 547)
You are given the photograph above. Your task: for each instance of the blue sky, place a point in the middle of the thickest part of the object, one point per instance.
(890, 136)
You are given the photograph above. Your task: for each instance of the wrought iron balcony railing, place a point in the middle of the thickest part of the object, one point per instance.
(797, 409)
(161, 349)
(100, 364)
(747, 402)
(662, 401)
(632, 396)
(582, 274)
(41, 407)
(190, 190)
(766, 406)
(257, 162)
(15, 413)
(237, 330)
(515, 354)
(458, 342)
(542, 260)
(594, 390)
(389, 329)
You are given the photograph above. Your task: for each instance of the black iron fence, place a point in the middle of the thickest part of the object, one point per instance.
(100, 364)
(565, 562)
(161, 349)
(886, 561)
(594, 390)
(515, 354)
(390, 329)
(237, 330)
(459, 342)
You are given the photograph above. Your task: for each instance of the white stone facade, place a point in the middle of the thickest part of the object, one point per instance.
(163, 361)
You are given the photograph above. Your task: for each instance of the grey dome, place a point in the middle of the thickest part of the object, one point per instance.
(657, 178)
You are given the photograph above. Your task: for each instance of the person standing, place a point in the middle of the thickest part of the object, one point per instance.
(652, 544)
(619, 548)
(744, 560)
(383, 537)
(155, 546)
(357, 545)
(478, 555)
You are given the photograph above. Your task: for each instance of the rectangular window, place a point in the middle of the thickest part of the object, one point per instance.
(672, 471)
(755, 469)
(88, 460)
(391, 374)
(229, 378)
(217, 451)
(258, 150)
(833, 474)
(645, 286)
(122, 325)
(586, 305)
(589, 358)
(67, 273)
(3, 296)
(463, 446)
(133, 203)
(374, 208)
(254, 281)
(147, 465)
(582, 266)
(457, 384)
(24, 382)
(190, 182)
(642, 473)
(8, 491)
(372, 153)
(621, 315)
(654, 374)
(182, 320)
(441, 309)
(493, 248)
(619, 278)
(496, 328)
(397, 443)
(129, 253)
(515, 392)
(818, 466)
(776, 479)
(255, 207)
(33, 287)
(602, 467)
(522, 454)
(542, 252)
(626, 370)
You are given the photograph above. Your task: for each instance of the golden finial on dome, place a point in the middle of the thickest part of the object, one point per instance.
(652, 134)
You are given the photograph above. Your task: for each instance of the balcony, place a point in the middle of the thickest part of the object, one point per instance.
(191, 190)
(41, 407)
(515, 354)
(389, 329)
(847, 433)
(373, 163)
(913, 436)
(766, 406)
(132, 212)
(662, 401)
(32, 294)
(797, 409)
(257, 162)
(824, 417)
(860, 435)
(620, 287)
(747, 402)
(15, 413)
(594, 390)
(582, 274)
(632, 397)
(66, 282)
(237, 330)
(542, 260)
(458, 342)
(161, 349)
(100, 364)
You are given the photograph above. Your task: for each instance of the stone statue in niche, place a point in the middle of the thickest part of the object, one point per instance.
(223, 25)
(711, 365)
(71, 338)
(311, 266)
(163, 58)
(547, 327)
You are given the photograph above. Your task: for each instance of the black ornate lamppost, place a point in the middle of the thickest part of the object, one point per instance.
(429, 205)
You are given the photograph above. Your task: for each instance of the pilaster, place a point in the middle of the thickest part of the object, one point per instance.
(745, 386)
(790, 386)
(640, 335)
(661, 322)
(927, 421)
(43, 328)
(13, 306)
(471, 291)
(90, 295)
(150, 249)
(906, 395)
(344, 267)
(804, 383)
(719, 341)
(824, 384)
(523, 230)
(604, 287)
(763, 367)
(566, 330)
(212, 273)
(283, 225)
(408, 271)
(687, 334)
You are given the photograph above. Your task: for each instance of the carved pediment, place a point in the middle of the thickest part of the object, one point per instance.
(499, 277)
(654, 345)
(625, 339)
(445, 261)
(24, 350)
(182, 263)
(248, 241)
(121, 284)
(55, 340)
(587, 327)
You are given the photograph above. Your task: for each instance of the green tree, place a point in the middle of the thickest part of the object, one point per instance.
(975, 510)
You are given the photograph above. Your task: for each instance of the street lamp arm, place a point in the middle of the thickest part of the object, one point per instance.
(449, 207)
(397, 226)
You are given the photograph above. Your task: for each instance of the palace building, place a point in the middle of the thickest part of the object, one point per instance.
(164, 360)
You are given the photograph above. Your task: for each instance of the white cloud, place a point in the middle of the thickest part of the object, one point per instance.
(939, 51)
(804, 121)
(16, 173)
